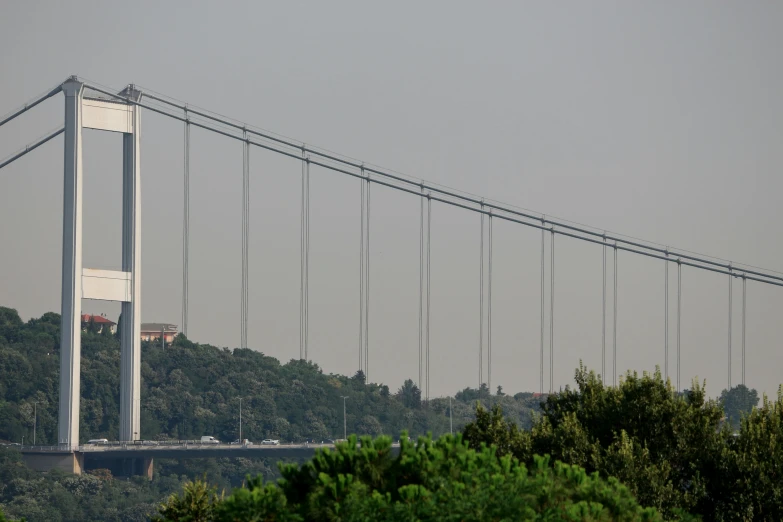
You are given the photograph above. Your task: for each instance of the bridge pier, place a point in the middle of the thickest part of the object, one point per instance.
(67, 461)
(142, 466)
(77, 462)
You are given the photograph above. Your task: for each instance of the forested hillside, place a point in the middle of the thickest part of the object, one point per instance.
(674, 450)
(190, 390)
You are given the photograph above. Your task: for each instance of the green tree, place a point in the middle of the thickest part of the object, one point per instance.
(359, 377)
(491, 428)
(409, 394)
(196, 504)
(432, 480)
(738, 401)
(118, 332)
(751, 467)
(92, 327)
(671, 449)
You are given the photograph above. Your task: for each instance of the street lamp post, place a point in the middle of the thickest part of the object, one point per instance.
(451, 420)
(35, 420)
(240, 420)
(345, 423)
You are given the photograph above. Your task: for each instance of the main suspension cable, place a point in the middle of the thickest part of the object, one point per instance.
(31, 147)
(388, 175)
(648, 250)
(29, 105)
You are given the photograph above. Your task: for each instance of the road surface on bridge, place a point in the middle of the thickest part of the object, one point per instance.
(178, 450)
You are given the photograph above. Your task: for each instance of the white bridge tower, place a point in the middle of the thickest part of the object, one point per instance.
(109, 285)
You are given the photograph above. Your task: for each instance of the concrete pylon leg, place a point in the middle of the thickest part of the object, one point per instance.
(130, 342)
(71, 327)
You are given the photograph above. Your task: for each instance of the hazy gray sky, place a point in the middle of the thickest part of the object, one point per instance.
(661, 120)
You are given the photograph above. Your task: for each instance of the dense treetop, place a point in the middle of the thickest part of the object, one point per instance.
(442, 480)
(674, 451)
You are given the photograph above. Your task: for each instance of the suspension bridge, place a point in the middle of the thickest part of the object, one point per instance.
(91, 106)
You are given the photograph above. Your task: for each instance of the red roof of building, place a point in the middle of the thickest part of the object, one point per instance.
(99, 319)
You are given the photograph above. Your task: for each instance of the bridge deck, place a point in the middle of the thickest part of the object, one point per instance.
(187, 450)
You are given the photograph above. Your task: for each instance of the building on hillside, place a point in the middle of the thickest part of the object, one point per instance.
(153, 331)
(100, 321)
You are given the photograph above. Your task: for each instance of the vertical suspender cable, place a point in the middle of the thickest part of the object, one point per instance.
(242, 285)
(186, 228)
(744, 287)
(614, 323)
(367, 292)
(247, 246)
(679, 317)
(541, 386)
(307, 262)
(247, 251)
(421, 283)
(730, 306)
(246, 201)
(245, 234)
(481, 303)
(666, 318)
(603, 317)
(429, 272)
(242, 270)
(552, 313)
(302, 262)
(361, 276)
(489, 311)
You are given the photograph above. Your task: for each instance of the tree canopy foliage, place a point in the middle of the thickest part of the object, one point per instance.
(673, 451)
(738, 401)
(441, 480)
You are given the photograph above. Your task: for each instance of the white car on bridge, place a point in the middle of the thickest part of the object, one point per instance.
(270, 442)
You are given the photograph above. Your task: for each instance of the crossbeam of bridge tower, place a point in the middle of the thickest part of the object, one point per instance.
(109, 285)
